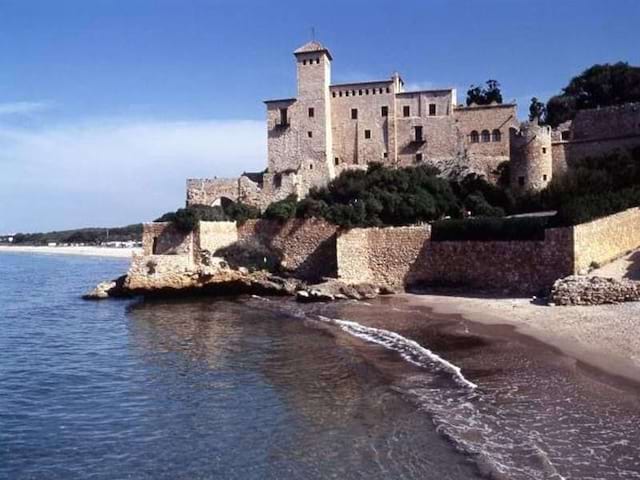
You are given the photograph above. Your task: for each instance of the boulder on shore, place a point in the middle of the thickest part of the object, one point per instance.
(582, 290)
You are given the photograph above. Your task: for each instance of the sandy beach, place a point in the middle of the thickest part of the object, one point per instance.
(605, 337)
(86, 251)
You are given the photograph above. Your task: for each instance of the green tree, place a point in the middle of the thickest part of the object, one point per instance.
(485, 95)
(536, 110)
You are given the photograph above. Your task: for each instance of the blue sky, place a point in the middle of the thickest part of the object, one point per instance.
(107, 106)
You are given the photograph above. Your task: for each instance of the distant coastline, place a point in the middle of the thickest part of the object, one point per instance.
(84, 251)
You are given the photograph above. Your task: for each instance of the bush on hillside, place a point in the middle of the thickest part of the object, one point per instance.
(186, 219)
(591, 207)
(282, 210)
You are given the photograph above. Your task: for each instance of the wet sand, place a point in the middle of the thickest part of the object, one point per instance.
(85, 251)
(605, 337)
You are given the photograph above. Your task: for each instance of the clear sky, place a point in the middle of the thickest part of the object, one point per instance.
(107, 106)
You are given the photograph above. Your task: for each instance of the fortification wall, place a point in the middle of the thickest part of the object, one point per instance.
(307, 247)
(606, 239)
(151, 272)
(518, 267)
(215, 235)
(383, 256)
(595, 132)
(206, 191)
(161, 238)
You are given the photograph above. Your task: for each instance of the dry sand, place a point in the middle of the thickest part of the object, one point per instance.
(87, 251)
(606, 337)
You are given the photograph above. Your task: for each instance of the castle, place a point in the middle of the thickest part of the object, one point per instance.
(328, 128)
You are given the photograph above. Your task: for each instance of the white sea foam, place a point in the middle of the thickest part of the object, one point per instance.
(410, 350)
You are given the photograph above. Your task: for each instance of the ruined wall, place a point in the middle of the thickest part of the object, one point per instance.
(150, 272)
(206, 191)
(307, 247)
(606, 239)
(214, 235)
(383, 256)
(596, 132)
(161, 238)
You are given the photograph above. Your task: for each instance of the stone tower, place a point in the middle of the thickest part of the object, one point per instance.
(312, 110)
(531, 165)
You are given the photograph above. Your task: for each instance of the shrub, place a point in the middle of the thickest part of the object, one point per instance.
(591, 207)
(490, 229)
(250, 254)
(282, 210)
(186, 219)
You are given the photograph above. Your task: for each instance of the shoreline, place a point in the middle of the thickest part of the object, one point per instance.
(82, 251)
(603, 337)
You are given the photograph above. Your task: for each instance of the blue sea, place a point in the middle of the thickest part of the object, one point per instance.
(260, 388)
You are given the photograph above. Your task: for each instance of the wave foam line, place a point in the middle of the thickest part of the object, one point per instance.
(400, 344)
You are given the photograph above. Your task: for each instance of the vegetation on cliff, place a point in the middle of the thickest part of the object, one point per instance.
(598, 86)
(186, 219)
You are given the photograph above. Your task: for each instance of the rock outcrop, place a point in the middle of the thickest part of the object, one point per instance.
(582, 290)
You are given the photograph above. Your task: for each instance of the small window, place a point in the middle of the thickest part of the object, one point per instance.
(373, 91)
(380, 90)
(418, 133)
(475, 138)
(334, 94)
(384, 111)
(432, 109)
(496, 135)
(311, 166)
(311, 112)
(486, 137)
(544, 150)
(310, 134)
(154, 248)
(367, 134)
(387, 89)
(418, 157)
(544, 178)
(406, 111)
(366, 91)
(304, 62)
(340, 93)
(360, 92)
(283, 117)
(354, 114)
(337, 161)
(346, 94)
(317, 60)
(521, 181)
(566, 135)
(385, 155)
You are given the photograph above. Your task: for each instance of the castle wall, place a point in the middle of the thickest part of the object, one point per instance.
(485, 156)
(406, 256)
(214, 235)
(383, 256)
(606, 239)
(594, 133)
(162, 238)
(307, 247)
(350, 146)
(206, 191)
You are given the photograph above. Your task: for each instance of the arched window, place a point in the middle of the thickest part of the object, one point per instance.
(475, 138)
(486, 136)
(497, 135)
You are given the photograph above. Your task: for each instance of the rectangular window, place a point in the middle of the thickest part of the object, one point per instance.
(354, 114)
(418, 133)
(385, 155)
(406, 111)
(310, 134)
(418, 157)
(384, 111)
(283, 117)
(337, 160)
(360, 92)
(544, 150)
(544, 178)
(334, 94)
(367, 134)
(432, 109)
(387, 89)
(311, 112)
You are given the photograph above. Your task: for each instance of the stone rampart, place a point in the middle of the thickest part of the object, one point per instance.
(151, 272)
(307, 248)
(384, 256)
(214, 235)
(162, 238)
(606, 239)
